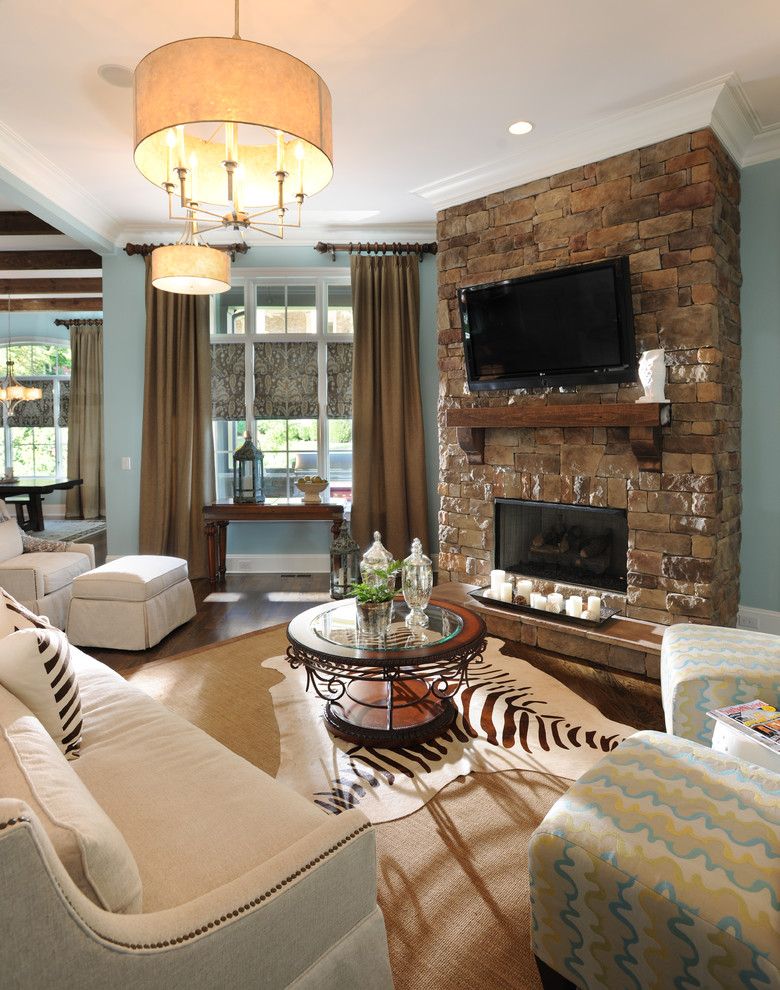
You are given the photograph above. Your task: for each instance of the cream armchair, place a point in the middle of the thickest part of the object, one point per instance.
(41, 578)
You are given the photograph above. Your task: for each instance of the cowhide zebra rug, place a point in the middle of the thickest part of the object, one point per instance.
(511, 716)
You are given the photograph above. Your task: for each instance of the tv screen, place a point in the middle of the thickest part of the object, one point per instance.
(569, 326)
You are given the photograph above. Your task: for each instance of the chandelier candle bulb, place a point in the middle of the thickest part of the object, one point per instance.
(171, 142)
(299, 155)
(182, 156)
(193, 178)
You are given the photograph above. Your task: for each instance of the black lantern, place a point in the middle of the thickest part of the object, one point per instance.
(344, 564)
(248, 473)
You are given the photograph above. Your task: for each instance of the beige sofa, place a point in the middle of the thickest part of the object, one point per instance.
(41, 578)
(145, 854)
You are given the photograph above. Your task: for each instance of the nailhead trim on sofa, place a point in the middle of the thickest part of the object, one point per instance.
(230, 914)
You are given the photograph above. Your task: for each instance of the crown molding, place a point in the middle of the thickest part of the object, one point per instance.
(311, 232)
(719, 103)
(39, 186)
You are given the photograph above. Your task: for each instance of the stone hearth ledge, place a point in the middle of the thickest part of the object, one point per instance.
(621, 643)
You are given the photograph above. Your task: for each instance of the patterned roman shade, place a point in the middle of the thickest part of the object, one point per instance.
(286, 380)
(64, 402)
(339, 381)
(228, 376)
(36, 412)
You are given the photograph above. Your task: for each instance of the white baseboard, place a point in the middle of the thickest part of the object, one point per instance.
(759, 620)
(313, 563)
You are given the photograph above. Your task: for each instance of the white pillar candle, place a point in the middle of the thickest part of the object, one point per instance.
(555, 602)
(497, 578)
(538, 601)
(506, 591)
(594, 607)
(523, 590)
(574, 606)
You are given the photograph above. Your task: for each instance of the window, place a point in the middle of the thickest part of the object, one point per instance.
(281, 350)
(36, 435)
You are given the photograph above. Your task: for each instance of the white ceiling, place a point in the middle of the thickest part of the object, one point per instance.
(422, 92)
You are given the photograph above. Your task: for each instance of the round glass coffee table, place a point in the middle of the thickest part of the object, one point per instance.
(391, 691)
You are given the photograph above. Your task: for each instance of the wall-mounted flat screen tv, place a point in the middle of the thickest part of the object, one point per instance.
(567, 326)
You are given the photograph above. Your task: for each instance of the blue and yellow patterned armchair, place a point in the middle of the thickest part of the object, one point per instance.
(660, 869)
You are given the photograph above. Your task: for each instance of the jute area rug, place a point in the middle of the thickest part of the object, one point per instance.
(452, 876)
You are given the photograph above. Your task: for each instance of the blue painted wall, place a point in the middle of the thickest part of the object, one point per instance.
(123, 364)
(760, 305)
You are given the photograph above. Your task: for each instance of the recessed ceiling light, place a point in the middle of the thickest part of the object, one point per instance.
(116, 75)
(521, 127)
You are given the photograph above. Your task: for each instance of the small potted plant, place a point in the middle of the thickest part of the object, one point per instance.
(374, 600)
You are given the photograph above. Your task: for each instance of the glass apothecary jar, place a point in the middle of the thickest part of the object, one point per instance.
(417, 583)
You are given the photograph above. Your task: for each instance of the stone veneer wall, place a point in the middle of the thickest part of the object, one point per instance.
(673, 208)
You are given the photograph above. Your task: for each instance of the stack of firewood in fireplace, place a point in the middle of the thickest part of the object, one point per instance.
(567, 546)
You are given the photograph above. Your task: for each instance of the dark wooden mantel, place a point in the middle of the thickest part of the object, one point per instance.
(643, 419)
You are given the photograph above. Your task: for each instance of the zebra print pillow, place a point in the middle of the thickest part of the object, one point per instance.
(35, 667)
(14, 615)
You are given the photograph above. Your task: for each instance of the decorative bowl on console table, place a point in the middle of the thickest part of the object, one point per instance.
(311, 488)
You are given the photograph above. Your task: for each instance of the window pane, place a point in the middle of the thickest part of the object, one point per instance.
(44, 360)
(229, 316)
(289, 447)
(301, 309)
(340, 309)
(228, 437)
(21, 355)
(34, 452)
(340, 457)
(286, 309)
(271, 309)
(63, 360)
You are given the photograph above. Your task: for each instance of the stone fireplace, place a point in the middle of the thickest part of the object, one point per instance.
(672, 470)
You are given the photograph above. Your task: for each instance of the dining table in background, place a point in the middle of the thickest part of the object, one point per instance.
(34, 489)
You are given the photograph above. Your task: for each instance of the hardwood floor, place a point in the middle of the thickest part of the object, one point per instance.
(262, 600)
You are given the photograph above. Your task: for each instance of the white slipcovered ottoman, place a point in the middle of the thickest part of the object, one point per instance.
(130, 603)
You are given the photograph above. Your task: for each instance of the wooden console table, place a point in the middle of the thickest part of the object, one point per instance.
(217, 516)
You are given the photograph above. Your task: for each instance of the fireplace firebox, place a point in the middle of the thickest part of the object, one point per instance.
(567, 544)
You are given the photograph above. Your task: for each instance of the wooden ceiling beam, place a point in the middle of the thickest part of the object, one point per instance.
(49, 286)
(59, 304)
(18, 223)
(30, 261)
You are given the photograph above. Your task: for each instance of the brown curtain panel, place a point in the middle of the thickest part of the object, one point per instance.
(177, 456)
(85, 424)
(389, 488)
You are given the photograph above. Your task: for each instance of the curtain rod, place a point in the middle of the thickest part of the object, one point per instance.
(144, 249)
(79, 323)
(418, 249)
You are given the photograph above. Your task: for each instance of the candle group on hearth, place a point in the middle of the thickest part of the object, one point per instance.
(503, 588)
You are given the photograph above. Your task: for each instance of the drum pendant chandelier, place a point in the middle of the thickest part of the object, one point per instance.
(238, 135)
